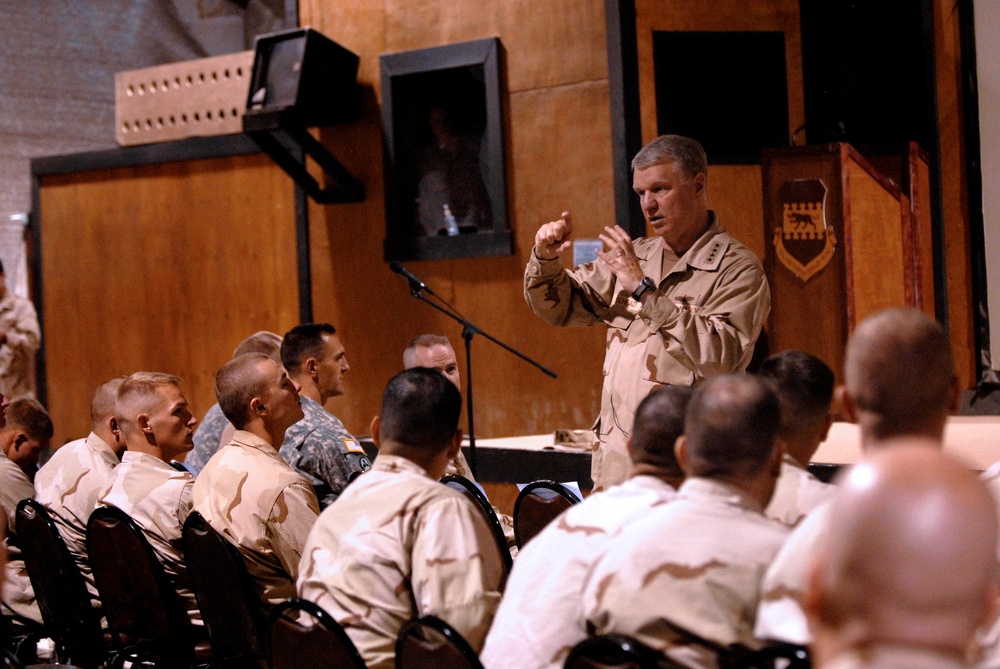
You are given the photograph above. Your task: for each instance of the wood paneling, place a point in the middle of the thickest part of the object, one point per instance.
(161, 268)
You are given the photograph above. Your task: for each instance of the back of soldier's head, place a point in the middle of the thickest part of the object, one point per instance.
(804, 386)
(730, 426)
(238, 382)
(898, 370)
(659, 421)
(102, 404)
(303, 342)
(420, 410)
(29, 416)
(264, 342)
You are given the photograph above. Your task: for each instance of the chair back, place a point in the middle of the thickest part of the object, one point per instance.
(431, 643)
(537, 505)
(302, 634)
(229, 605)
(615, 651)
(60, 591)
(470, 490)
(141, 606)
(786, 655)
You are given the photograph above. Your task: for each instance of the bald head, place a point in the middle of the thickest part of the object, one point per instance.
(102, 404)
(909, 556)
(659, 421)
(898, 376)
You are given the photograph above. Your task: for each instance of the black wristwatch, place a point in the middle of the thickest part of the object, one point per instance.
(644, 285)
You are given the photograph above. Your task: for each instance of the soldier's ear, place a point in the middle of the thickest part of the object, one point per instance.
(681, 453)
(257, 406)
(310, 366)
(375, 427)
(142, 421)
(846, 403)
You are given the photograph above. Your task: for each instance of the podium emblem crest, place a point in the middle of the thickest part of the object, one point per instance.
(804, 243)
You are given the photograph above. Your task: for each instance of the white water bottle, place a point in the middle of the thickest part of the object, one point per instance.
(450, 224)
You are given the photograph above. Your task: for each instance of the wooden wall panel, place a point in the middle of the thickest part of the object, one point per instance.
(162, 268)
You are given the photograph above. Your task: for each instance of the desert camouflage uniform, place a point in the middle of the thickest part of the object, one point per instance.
(541, 616)
(19, 320)
(68, 485)
(896, 657)
(207, 438)
(321, 449)
(988, 637)
(797, 493)
(703, 319)
(780, 616)
(265, 508)
(696, 563)
(158, 498)
(397, 545)
(18, 596)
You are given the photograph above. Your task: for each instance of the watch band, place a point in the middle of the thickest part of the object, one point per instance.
(644, 285)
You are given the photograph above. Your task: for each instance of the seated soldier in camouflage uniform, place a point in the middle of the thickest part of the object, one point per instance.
(319, 446)
(24, 434)
(804, 386)
(68, 484)
(212, 429)
(541, 617)
(695, 563)
(246, 491)
(398, 544)
(157, 426)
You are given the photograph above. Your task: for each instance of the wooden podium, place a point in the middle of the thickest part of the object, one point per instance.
(844, 240)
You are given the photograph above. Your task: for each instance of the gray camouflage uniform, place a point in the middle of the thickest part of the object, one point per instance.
(207, 439)
(19, 320)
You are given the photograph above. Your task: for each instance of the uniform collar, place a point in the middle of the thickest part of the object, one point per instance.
(395, 463)
(706, 254)
(251, 440)
(704, 488)
(102, 448)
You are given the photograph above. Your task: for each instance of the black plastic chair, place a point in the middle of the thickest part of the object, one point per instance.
(294, 645)
(792, 656)
(146, 618)
(537, 505)
(431, 643)
(470, 490)
(60, 591)
(616, 651)
(230, 607)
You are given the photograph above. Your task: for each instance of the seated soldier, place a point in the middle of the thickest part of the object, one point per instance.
(541, 617)
(246, 491)
(68, 484)
(157, 425)
(398, 544)
(695, 564)
(804, 386)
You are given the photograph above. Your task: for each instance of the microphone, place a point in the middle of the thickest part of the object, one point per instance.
(415, 283)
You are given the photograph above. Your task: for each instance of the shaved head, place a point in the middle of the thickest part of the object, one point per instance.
(898, 375)
(102, 404)
(909, 556)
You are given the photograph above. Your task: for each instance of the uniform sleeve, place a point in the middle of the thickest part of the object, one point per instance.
(292, 516)
(717, 335)
(456, 569)
(25, 335)
(14, 486)
(568, 297)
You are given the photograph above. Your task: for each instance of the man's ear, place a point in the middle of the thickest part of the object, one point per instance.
(257, 406)
(777, 454)
(310, 366)
(375, 427)
(456, 444)
(20, 439)
(142, 421)
(699, 182)
(682, 455)
(846, 403)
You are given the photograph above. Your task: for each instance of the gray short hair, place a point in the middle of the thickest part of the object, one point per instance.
(686, 152)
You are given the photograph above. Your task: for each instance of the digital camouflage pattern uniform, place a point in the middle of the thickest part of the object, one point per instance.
(207, 438)
(703, 319)
(780, 616)
(68, 485)
(18, 596)
(796, 493)
(158, 498)
(397, 545)
(541, 616)
(323, 451)
(250, 495)
(19, 320)
(696, 562)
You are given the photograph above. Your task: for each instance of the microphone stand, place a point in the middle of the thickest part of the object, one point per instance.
(469, 330)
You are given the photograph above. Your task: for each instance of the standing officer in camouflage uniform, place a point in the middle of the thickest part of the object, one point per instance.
(319, 446)
(804, 386)
(20, 338)
(695, 563)
(398, 544)
(208, 436)
(157, 425)
(68, 484)
(682, 305)
(246, 491)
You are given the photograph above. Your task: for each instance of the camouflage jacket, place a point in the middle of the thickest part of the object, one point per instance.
(18, 597)
(703, 319)
(541, 618)
(19, 320)
(796, 494)
(158, 498)
(890, 656)
(323, 451)
(265, 508)
(207, 439)
(695, 563)
(397, 545)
